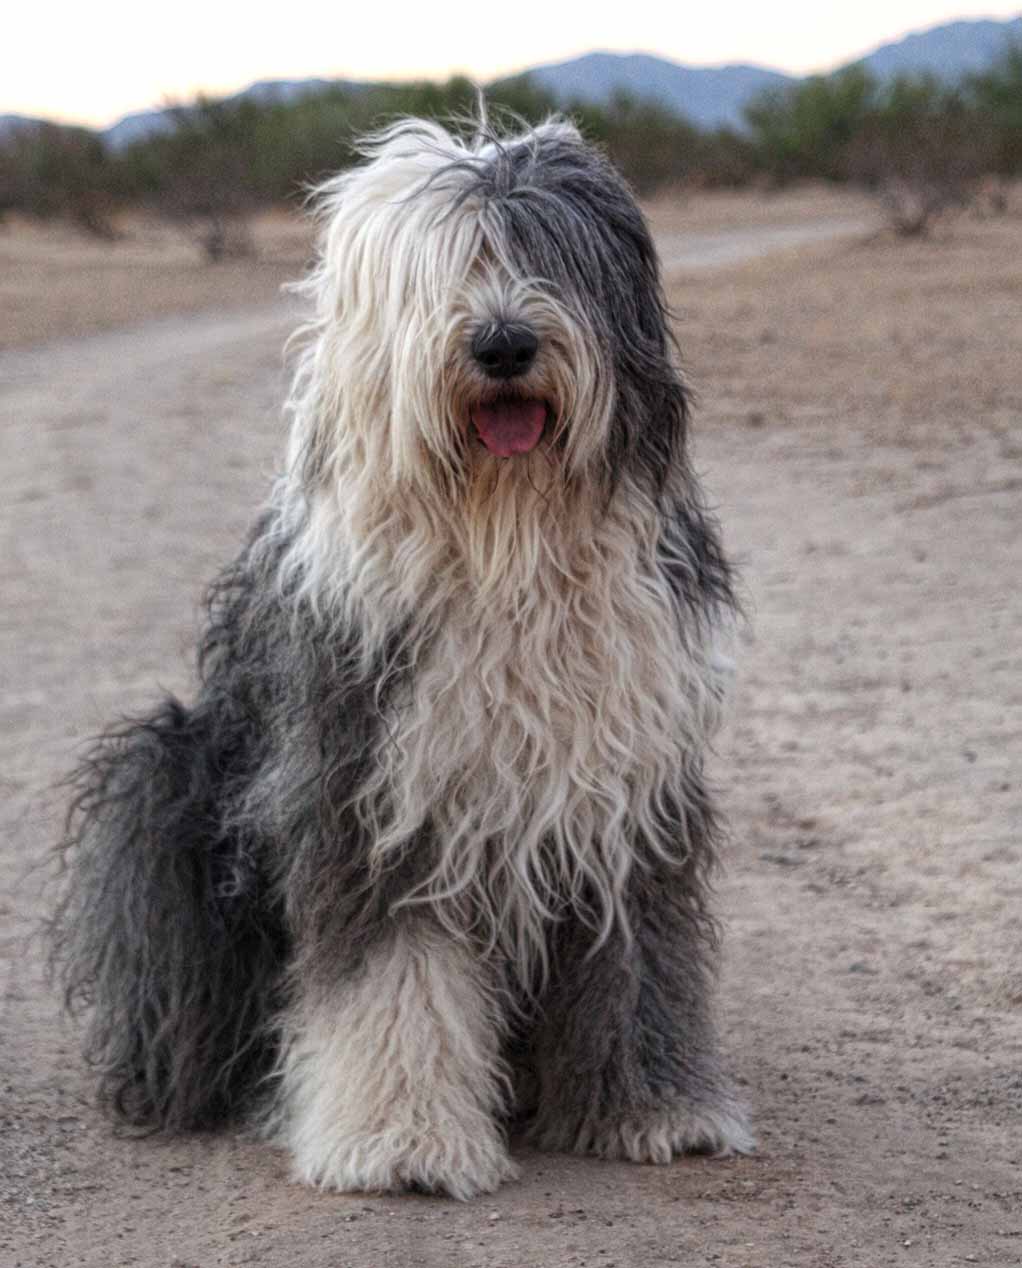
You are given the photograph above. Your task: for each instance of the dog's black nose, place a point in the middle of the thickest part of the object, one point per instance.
(503, 351)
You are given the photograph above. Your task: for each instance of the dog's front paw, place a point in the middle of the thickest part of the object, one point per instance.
(656, 1136)
(395, 1161)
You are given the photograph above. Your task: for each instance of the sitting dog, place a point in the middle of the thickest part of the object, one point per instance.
(430, 849)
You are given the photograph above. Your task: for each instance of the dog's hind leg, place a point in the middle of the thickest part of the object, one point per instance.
(392, 1078)
(626, 1053)
(166, 934)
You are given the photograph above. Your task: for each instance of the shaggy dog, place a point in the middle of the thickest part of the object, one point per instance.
(430, 851)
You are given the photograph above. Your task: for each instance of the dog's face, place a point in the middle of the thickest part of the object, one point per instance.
(489, 311)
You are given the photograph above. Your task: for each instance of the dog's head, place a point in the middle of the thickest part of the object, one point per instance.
(489, 312)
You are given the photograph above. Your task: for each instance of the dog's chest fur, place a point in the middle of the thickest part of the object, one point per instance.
(543, 730)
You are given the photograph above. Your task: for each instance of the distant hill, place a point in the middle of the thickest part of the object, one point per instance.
(11, 122)
(716, 96)
(711, 97)
(950, 51)
(136, 127)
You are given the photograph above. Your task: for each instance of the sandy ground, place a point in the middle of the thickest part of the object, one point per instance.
(55, 282)
(861, 430)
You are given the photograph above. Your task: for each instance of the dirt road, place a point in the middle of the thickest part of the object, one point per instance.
(693, 252)
(873, 984)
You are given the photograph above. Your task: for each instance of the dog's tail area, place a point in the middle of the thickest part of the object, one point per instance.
(166, 934)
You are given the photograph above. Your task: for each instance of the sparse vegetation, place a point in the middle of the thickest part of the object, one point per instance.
(48, 171)
(804, 132)
(920, 150)
(224, 159)
(921, 146)
(996, 99)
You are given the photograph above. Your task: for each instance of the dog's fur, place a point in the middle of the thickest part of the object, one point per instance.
(431, 848)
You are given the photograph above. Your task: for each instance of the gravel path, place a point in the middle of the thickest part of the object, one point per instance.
(693, 252)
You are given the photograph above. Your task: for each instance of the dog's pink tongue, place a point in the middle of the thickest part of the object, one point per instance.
(510, 427)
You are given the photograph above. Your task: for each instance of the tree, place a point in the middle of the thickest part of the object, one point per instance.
(206, 172)
(996, 95)
(805, 131)
(50, 171)
(921, 151)
(651, 145)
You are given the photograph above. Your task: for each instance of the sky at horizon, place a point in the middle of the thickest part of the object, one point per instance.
(92, 64)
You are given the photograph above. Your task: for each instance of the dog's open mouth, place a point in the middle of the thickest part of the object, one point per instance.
(510, 425)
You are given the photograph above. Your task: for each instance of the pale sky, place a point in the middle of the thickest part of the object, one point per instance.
(93, 62)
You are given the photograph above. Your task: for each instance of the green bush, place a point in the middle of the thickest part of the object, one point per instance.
(47, 170)
(919, 145)
(916, 143)
(804, 131)
(996, 97)
(922, 150)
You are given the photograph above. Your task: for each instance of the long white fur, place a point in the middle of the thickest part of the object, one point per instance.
(554, 697)
(394, 1080)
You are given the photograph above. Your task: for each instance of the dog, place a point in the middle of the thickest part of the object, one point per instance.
(430, 855)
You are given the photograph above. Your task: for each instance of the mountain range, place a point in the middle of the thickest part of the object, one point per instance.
(709, 96)
(715, 96)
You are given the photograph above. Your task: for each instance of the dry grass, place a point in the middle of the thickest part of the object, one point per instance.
(745, 209)
(56, 283)
(890, 332)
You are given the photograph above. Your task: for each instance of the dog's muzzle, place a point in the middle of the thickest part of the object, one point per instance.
(508, 421)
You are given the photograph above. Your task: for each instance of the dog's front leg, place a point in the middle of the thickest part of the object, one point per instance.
(393, 1080)
(625, 1053)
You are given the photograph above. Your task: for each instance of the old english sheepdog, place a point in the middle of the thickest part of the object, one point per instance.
(428, 857)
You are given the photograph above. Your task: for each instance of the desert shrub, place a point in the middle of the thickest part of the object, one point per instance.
(996, 97)
(920, 146)
(651, 145)
(804, 131)
(921, 150)
(49, 171)
(205, 172)
(223, 159)
(724, 159)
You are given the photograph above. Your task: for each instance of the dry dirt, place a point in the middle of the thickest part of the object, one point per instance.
(54, 282)
(861, 430)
